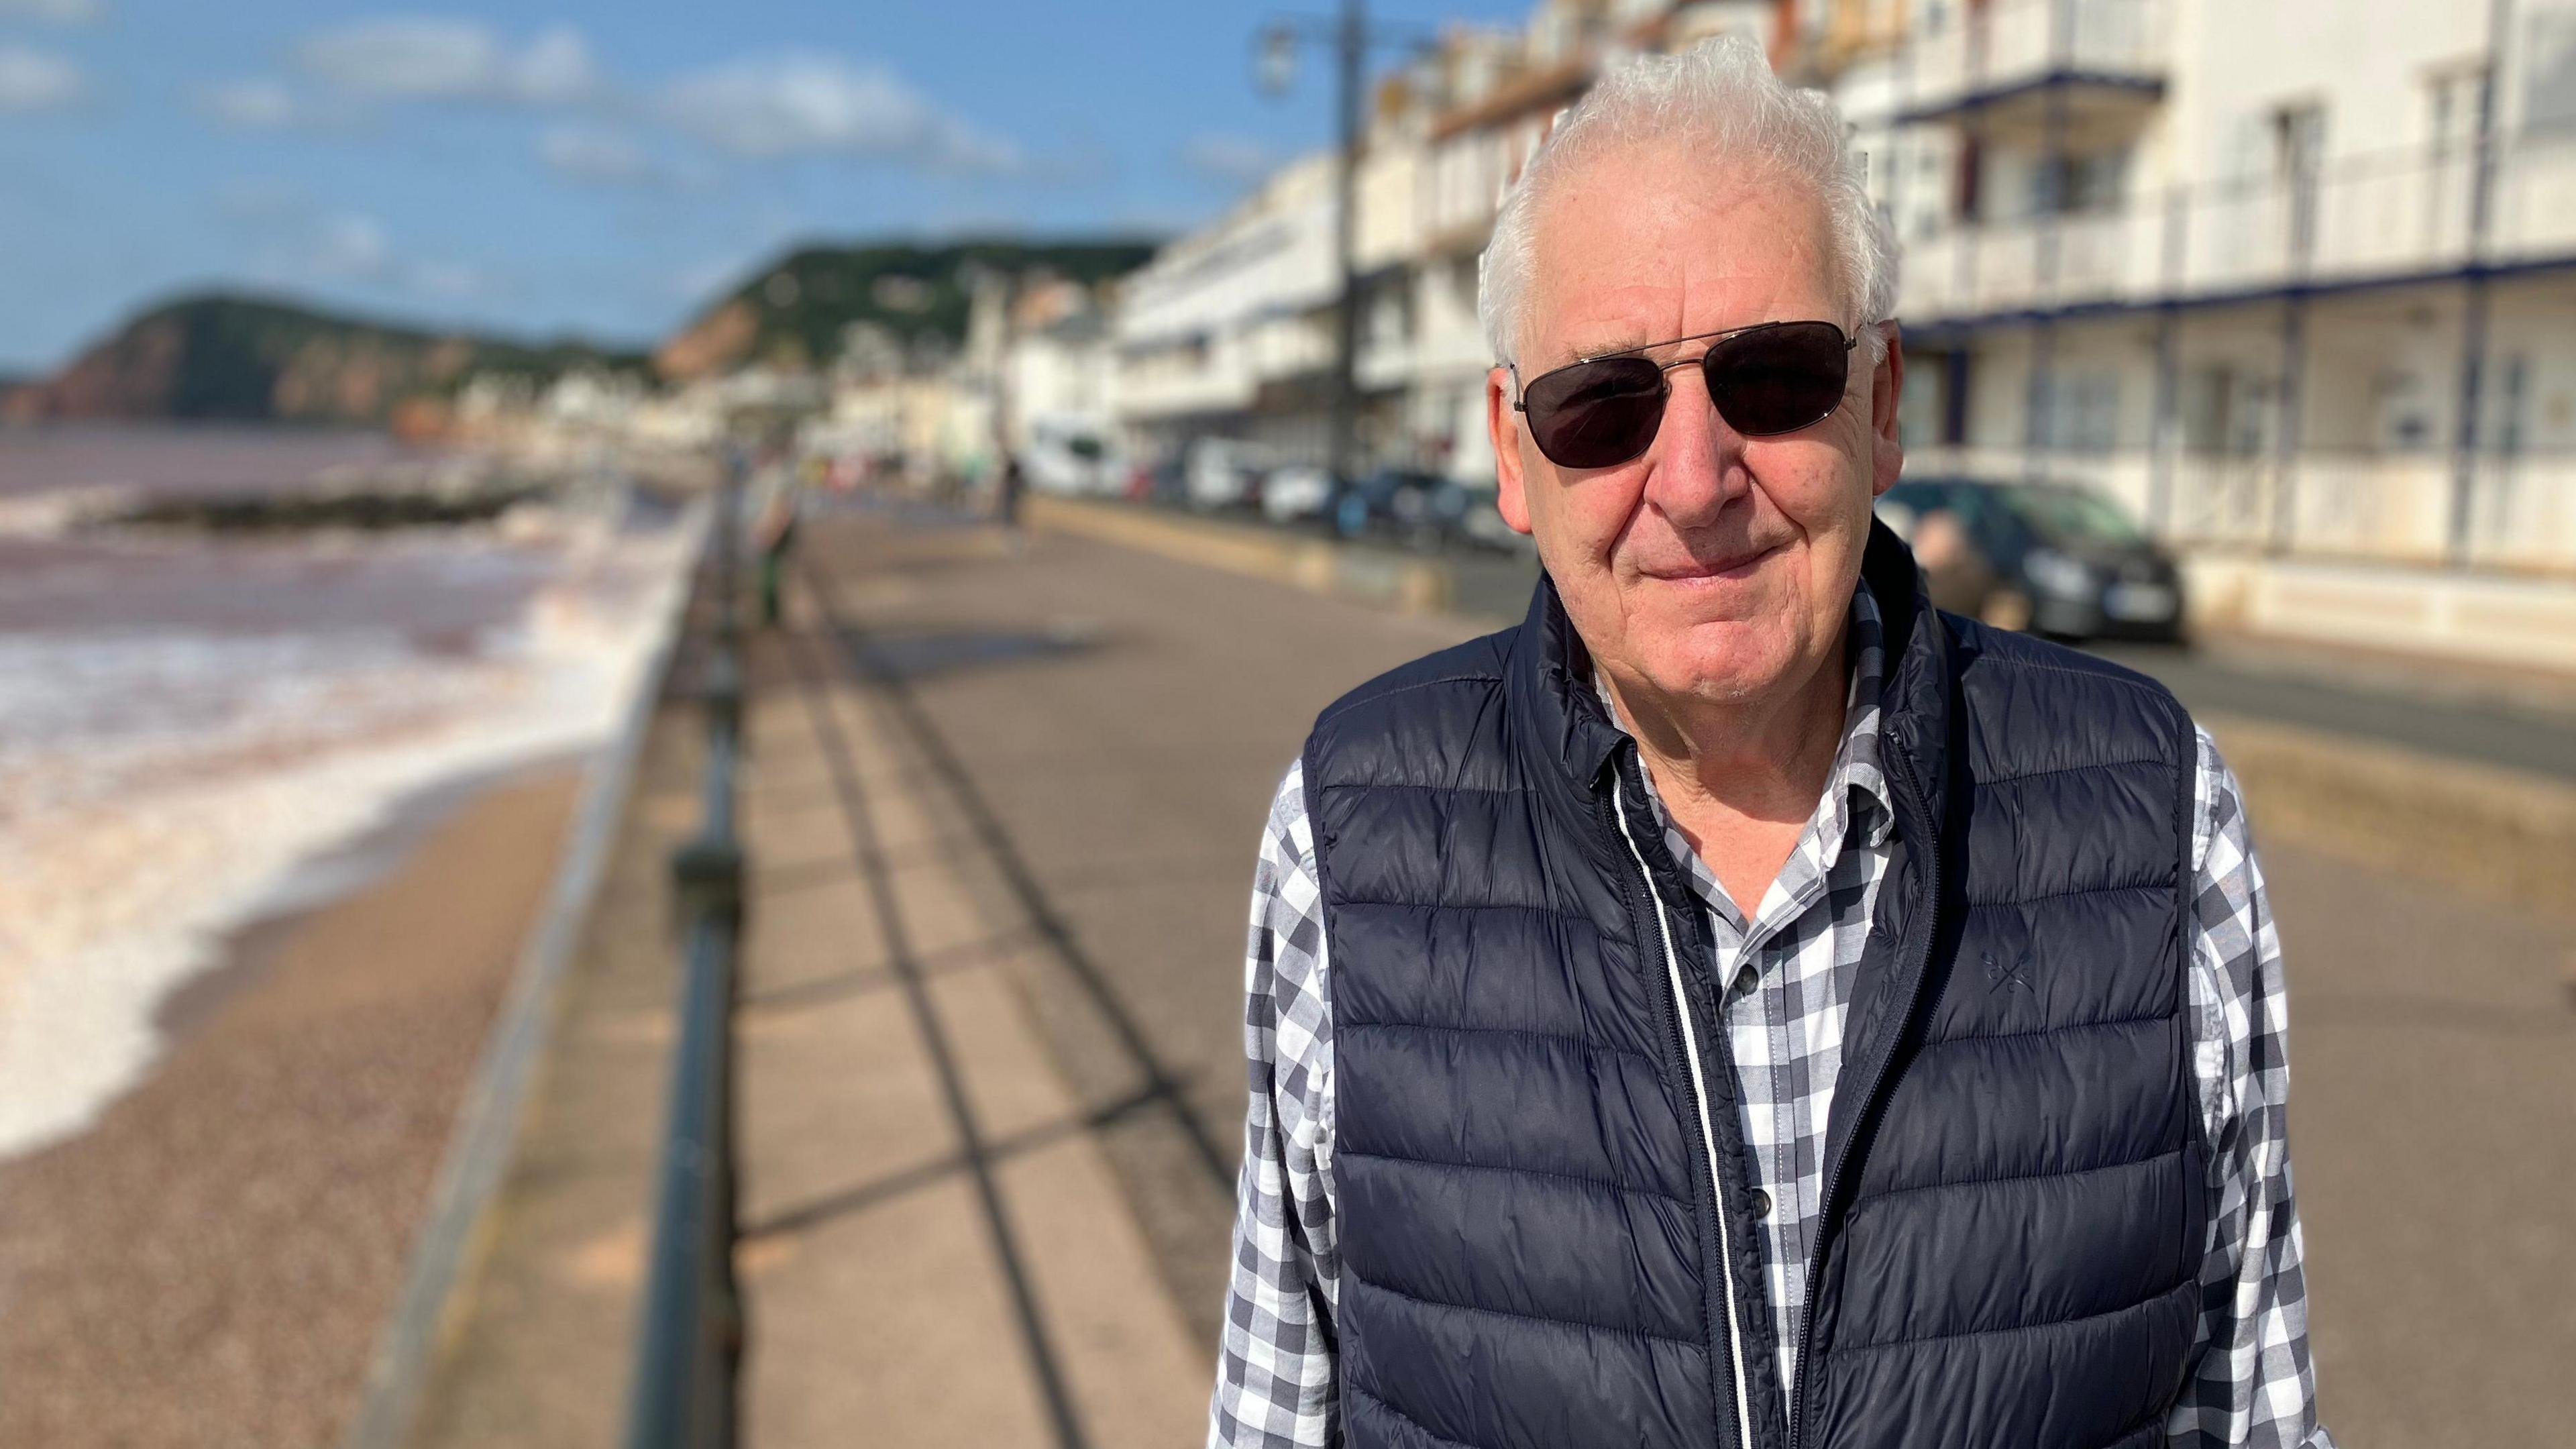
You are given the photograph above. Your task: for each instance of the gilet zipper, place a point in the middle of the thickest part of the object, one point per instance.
(1910, 979)
(1699, 1099)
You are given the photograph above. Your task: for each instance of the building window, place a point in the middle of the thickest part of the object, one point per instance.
(2079, 410)
(2451, 108)
(2405, 413)
(2080, 184)
(2226, 412)
(1967, 179)
(2549, 70)
(2504, 431)
(1923, 407)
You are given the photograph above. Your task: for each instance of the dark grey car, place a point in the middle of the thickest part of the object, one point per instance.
(2055, 559)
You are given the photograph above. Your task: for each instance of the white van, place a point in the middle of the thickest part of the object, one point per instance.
(1072, 461)
(1225, 472)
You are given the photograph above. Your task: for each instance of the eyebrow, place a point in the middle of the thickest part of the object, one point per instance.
(1594, 354)
(1614, 343)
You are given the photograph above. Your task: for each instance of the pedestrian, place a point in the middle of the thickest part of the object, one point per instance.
(1741, 1005)
(1008, 485)
(774, 531)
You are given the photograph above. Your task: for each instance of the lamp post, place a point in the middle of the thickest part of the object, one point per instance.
(1350, 35)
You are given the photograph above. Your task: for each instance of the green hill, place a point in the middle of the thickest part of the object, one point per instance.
(794, 310)
(242, 358)
(236, 357)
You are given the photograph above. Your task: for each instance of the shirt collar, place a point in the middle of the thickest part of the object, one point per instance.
(1857, 776)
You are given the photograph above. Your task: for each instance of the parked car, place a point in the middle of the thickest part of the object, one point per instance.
(1163, 484)
(1467, 515)
(1225, 472)
(1391, 503)
(2055, 559)
(1298, 492)
(1072, 460)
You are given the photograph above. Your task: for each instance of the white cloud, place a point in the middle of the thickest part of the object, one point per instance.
(1229, 160)
(348, 249)
(802, 103)
(31, 80)
(265, 103)
(424, 58)
(262, 103)
(252, 105)
(556, 68)
(60, 12)
(587, 153)
(405, 58)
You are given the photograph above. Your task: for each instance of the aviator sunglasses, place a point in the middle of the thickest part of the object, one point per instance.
(1768, 379)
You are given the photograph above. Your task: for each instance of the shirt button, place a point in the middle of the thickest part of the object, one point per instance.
(1745, 981)
(1760, 1202)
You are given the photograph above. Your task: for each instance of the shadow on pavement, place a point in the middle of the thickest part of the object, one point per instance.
(925, 653)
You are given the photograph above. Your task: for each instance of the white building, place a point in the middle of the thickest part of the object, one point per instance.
(2293, 280)
(1228, 332)
(1482, 104)
(1058, 375)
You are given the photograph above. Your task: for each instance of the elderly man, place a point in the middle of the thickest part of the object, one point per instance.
(1740, 1005)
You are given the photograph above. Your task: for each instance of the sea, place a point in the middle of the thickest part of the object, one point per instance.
(196, 729)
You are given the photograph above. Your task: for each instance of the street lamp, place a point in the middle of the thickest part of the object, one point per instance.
(1275, 63)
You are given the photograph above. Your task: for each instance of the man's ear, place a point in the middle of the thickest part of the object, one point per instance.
(1886, 385)
(1511, 497)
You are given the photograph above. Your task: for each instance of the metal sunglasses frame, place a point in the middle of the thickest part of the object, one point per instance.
(1520, 403)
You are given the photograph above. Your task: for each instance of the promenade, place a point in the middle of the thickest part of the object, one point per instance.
(1001, 806)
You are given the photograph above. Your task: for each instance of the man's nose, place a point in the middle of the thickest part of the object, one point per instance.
(1697, 465)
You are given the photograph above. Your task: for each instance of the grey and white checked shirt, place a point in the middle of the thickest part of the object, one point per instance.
(1788, 973)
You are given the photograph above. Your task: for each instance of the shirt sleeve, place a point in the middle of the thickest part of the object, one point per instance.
(1277, 1381)
(2250, 1382)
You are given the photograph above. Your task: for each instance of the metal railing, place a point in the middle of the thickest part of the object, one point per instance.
(1956, 54)
(2406, 213)
(689, 1340)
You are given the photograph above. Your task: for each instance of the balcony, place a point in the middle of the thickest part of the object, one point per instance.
(2003, 66)
(2360, 221)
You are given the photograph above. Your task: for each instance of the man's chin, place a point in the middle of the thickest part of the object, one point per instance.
(1725, 661)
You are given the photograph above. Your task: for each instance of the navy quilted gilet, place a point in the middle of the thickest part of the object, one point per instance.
(1530, 1226)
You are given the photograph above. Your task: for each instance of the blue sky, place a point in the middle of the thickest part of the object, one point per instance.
(592, 166)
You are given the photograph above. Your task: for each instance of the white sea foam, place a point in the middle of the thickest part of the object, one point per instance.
(158, 789)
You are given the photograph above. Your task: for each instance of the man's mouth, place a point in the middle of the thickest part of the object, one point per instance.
(1712, 570)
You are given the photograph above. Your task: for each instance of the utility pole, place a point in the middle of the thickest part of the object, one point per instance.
(1350, 35)
(2475, 303)
(1351, 42)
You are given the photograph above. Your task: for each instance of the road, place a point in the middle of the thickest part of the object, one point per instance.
(1110, 726)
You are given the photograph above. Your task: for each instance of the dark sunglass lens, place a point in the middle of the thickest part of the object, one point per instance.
(1778, 379)
(1596, 414)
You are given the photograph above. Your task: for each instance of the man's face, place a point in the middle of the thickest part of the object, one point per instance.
(1714, 566)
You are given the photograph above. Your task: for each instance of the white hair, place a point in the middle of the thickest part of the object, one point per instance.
(1721, 95)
